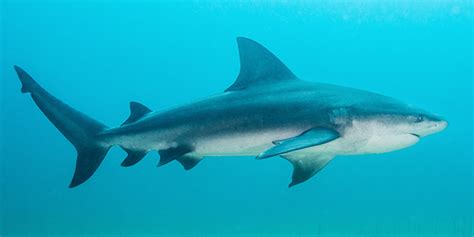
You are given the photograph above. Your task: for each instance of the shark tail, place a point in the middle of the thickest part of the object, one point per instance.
(81, 130)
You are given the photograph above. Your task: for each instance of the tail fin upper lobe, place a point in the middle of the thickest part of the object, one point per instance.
(81, 130)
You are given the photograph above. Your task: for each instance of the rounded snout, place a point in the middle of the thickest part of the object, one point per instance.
(433, 125)
(440, 125)
(438, 122)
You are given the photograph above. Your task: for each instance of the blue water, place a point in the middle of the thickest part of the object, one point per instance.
(99, 55)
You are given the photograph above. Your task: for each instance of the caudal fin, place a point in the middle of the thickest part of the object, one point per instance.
(81, 130)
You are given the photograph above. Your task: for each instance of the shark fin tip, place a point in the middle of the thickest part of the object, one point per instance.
(28, 84)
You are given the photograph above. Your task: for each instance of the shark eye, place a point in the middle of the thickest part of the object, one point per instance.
(419, 119)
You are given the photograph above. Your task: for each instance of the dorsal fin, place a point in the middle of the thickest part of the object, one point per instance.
(137, 111)
(258, 66)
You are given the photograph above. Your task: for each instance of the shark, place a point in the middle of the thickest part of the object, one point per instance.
(267, 112)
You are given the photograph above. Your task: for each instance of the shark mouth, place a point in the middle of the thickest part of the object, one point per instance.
(416, 135)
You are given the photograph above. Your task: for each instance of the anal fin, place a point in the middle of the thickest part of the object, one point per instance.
(306, 166)
(188, 161)
(173, 153)
(133, 157)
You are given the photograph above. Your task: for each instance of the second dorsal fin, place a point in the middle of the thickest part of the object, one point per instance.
(258, 66)
(137, 111)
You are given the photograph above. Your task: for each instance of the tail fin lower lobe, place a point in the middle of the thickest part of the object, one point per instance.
(81, 130)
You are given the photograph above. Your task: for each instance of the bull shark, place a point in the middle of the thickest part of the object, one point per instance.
(267, 112)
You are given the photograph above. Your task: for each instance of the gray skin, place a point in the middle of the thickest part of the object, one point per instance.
(283, 110)
(267, 112)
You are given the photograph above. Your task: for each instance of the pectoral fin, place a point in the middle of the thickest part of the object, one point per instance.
(312, 137)
(306, 166)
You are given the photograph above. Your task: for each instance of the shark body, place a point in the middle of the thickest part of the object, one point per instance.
(267, 112)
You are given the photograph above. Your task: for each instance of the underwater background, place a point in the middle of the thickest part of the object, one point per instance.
(99, 55)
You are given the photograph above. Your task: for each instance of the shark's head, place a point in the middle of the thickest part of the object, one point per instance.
(400, 118)
(421, 123)
(387, 124)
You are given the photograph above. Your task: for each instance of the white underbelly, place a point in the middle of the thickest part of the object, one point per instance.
(354, 143)
(246, 144)
(361, 146)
